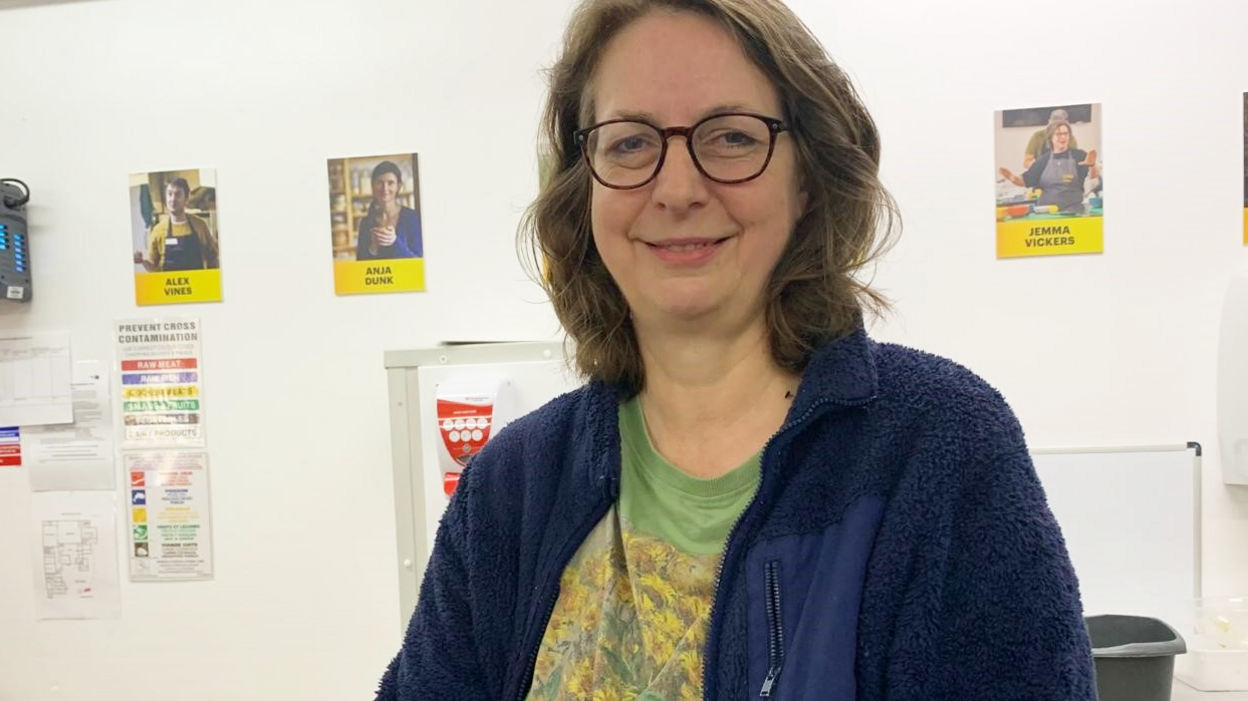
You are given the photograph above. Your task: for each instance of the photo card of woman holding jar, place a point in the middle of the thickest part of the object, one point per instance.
(374, 210)
(1050, 182)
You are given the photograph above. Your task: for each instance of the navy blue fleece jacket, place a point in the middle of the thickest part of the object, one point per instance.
(899, 548)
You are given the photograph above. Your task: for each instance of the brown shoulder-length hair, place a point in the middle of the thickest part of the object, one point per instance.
(813, 295)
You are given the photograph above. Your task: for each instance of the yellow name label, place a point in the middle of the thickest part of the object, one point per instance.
(177, 287)
(1050, 237)
(1246, 226)
(371, 276)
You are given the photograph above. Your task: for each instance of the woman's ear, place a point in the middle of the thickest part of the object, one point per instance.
(801, 203)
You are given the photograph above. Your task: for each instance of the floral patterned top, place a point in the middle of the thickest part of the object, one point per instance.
(634, 601)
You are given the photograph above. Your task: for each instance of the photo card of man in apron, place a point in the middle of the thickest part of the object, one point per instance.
(173, 223)
(1050, 182)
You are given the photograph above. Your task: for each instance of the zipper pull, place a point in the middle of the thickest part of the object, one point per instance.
(769, 682)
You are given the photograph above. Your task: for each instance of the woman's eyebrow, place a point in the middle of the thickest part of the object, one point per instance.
(644, 116)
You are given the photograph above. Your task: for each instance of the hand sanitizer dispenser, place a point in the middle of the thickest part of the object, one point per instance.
(469, 412)
(1233, 382)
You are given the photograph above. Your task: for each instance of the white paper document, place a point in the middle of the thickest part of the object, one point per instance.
(78, 455)
(34, 380)
(170, 516)
(75, 555)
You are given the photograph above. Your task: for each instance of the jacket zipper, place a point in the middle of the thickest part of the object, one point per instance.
(532, 666)
(775, 629)
(554, 600)
(732, 534)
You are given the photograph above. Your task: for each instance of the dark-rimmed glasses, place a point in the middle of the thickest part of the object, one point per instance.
(728, 148)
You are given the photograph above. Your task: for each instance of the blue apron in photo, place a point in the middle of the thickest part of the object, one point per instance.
(183, 252)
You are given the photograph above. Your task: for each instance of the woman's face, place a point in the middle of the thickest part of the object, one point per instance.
(1061, 139)
(386, 187)
(683, 247)
(175, 199)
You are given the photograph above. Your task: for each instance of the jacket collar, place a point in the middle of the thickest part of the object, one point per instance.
(842, 373)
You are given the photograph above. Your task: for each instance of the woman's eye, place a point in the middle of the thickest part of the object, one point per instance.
(630, 144)
(736, 138)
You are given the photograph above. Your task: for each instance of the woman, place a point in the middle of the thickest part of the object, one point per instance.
(181, 241)
(1060, 173)
(389, 230)
(750, 497)
(1040, 143)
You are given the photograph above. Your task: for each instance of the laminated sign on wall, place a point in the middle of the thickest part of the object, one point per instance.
(10, 447)
(161, 382)
(163, 416)
(170, 516)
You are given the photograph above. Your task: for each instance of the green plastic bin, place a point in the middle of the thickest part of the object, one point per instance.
(1134, 657)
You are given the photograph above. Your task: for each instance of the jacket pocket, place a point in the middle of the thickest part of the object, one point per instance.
(802, 598)
(775, 628)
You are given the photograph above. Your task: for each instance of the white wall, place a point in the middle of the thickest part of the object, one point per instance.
(1114, 349)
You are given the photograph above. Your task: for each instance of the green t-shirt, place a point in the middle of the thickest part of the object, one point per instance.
(635, 600)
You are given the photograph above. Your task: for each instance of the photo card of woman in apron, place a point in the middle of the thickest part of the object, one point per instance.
(173, 227)
(1050, 186)
(374, 216)
(1246, 169)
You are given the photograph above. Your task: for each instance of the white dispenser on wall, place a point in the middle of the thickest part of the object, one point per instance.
(1233, 382)
(468, 413)
(494, 384)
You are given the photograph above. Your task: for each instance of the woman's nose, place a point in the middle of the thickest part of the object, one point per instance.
(679, 184)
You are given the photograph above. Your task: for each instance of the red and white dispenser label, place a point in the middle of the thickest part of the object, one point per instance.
(468, 414)
(465, 426)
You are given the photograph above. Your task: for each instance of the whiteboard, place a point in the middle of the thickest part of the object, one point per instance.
(1131, 520)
